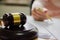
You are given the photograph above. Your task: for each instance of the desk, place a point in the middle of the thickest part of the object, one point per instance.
(45, 27)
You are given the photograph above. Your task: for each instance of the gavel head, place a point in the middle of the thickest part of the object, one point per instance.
(14, 19)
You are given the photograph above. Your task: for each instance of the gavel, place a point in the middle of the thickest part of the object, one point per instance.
(14, 20)
(14, 28)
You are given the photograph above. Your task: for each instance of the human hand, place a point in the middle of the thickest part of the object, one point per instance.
(38, 15)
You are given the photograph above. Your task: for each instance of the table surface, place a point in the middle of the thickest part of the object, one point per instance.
(46, 27)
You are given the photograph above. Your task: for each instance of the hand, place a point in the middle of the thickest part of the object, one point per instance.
(38, 15)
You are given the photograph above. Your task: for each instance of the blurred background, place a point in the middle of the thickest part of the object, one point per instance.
(8, 6)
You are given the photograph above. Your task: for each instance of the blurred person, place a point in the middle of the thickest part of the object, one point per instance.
(52, 6)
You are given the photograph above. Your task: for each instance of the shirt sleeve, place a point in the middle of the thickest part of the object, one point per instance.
(37, 4)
